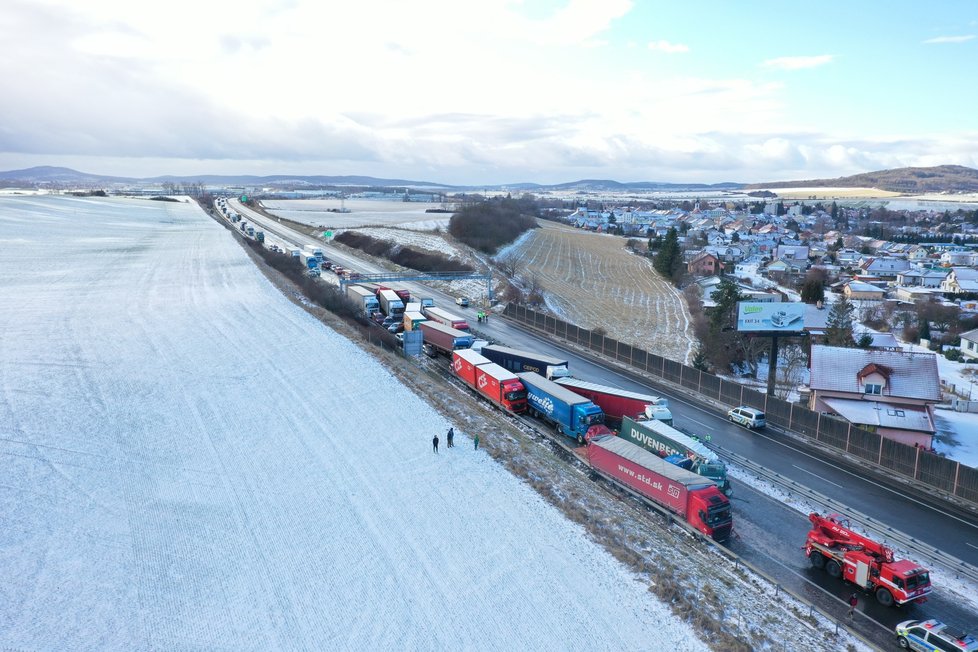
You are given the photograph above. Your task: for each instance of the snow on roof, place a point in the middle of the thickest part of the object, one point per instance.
(859, 286)
(914, 375)
(885, 415)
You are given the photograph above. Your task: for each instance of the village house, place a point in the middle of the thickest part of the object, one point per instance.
(862, 290)
(884, 391)
(925, 278)
(960, 279)
(704, 264)
(969, 345)
(886, 269)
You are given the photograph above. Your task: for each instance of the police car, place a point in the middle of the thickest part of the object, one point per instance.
(933, 636)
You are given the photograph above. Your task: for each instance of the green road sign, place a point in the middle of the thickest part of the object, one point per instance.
(244, 198)
(327, 234)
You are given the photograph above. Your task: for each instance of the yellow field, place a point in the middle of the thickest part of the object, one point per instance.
(592, 281)
(834, 193)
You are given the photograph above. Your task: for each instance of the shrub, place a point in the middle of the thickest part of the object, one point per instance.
(488, 225)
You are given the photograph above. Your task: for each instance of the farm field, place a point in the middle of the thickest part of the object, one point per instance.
(591, 280)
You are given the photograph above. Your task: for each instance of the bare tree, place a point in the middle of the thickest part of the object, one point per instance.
(791, 362)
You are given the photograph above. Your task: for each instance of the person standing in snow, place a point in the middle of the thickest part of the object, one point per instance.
(451, 437)
(476, 442)
(853, 601)
(434, 443)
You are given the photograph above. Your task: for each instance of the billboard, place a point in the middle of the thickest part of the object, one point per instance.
(783, 317)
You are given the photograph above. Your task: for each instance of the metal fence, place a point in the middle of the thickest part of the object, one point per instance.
(931, 470)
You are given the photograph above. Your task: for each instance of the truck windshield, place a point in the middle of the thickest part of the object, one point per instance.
(915, 582)
(712, 471)
(515, 396)
(718, 515)
(594, 419)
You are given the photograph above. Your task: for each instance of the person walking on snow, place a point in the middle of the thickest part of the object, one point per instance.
(477, 442)
(853, 601)
(451, 437)
(434, 443)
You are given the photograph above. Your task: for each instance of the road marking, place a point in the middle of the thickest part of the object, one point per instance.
(971, 544)
(697, 422)
(818, 476)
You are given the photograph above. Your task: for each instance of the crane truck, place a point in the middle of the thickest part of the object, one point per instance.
(866, 563)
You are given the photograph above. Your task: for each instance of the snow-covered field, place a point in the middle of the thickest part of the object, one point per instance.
(363, 212)
(191, 461)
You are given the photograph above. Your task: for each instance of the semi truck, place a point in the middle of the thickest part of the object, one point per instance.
(501, 387)
(520, 361)
(444, 317)
(620, 403)
(439, 338)
(571, 414)
(295, 252)
(315, 251)
(260, 236)
(310, 261)
(413, 320)
(363, 298)
(866, 563)
(390, 303)
(678, 448)
(692, 497)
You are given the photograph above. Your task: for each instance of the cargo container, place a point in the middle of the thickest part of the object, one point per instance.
(310, 261)
(363, 298)
(690, 496)
(390, 303)
(413, 306)
(444, 317)
(295, 252)
(439, 338)
(571, 414)
(490, 380)
(665, 441)
(412, 320)
(315, 251)
(518, 361)
(619, 403)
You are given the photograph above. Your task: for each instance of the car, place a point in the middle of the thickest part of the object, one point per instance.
(312, 272)
(389, 321)
(377, 317)
(462, 301)
(747, 416)
(933, 635)
(397, 327)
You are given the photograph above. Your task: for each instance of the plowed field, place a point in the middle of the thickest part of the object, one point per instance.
(592, 281)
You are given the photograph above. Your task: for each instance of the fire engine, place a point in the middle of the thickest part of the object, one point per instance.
(866, 563)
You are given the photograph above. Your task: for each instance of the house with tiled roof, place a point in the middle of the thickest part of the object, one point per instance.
(889, 392)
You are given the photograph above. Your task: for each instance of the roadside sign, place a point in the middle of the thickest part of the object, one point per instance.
(244, 198)
(328, 235)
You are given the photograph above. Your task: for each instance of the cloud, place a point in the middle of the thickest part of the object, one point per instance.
(950, 39)
(666, 46)
(798, 63)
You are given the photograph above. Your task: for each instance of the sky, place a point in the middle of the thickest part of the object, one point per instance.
(490, 92)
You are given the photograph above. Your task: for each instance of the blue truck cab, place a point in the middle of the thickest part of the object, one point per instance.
(571, 414)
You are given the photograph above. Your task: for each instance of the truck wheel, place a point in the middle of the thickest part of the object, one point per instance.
(833, 568)
(817, 560)
(580, 440)
(884, 597)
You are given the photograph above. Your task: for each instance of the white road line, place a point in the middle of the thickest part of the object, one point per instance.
(817, 476)
(971, 544)
(697, 422)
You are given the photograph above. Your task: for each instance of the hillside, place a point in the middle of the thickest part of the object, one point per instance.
(942, 178)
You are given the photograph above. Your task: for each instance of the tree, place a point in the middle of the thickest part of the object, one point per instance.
(839, 324)
(865, 341)
(735, 237)
(813, 290)
(835, 212)
(669, 259)
(923, 332)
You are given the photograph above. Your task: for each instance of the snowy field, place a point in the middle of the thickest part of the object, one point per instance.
(190, 461)
(363, 212)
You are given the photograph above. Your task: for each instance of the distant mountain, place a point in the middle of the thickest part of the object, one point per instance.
(47, 175)
(942, 178)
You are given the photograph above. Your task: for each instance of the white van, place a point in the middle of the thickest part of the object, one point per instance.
(747, 416)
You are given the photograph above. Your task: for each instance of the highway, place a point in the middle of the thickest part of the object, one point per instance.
(769, 533)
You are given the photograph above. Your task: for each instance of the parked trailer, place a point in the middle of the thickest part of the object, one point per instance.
(692, 497)
(501, 387)
(519, 361)
(390, 303)
(571, 414)
(363, 298)
(413, 320)
(439, 338)
(444, 317)
(678, 448)
(620, 403)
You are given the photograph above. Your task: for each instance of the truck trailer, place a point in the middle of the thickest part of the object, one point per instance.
(519, 361)
(439, 338)
(413, 320)
(866, 563)
(571, 414)
(363, 298)
(310, 261)
(490, 380)
(678, 448)
(390, 303)
(692, 497)
(442, 316)
(619, 403)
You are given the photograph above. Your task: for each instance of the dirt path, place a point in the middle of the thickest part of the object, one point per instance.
(591, 280)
